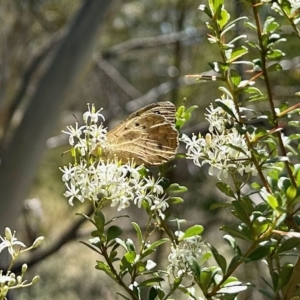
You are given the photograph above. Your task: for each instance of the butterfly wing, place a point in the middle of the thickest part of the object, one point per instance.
(166, 109)
(146, 136)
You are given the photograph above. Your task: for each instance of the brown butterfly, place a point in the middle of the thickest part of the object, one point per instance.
(147, 136)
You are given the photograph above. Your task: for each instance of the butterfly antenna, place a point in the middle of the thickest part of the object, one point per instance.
(75, 118)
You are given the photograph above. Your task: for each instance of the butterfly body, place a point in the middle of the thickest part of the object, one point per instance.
(147, 136)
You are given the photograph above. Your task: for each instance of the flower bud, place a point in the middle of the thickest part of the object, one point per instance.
(4, 291)
(8, 234)
(37, 242)
(12, 282)
(36, 279)
(24, 268)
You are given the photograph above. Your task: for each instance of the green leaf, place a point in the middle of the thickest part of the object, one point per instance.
(236, 233)
(192, 231)
(225, 108)
(285, 275)
(176, 188)
(275, 68)
(130, 245)
(139, 232)
(205, 279)
(153, 246)
(256, 98)
(219, 205)
(98, 234)
(105, 268)
(243, 209)
(267, 294)
(130, 257)
(223, 18)
(113, 256)
(183, 115)
(125, 267)
(234, 262)
(225, 91)
(284, 183)
(233, 288)
(237, 53)
(122, 243)
(275, 54)
(176, 200)
(221, 261)
(218, 67)
(206, 10)
(289, 244)
(232, 242)
(270, 199)
(250, 25)
(113, 232)
(291, 193)
(294, 123)
(194, 266)
(160, 292)
(99, 221)
(275, 280)
(152, 294)
(260, 225)
(270, 25)
(151, 281)
(191, 109)
(259, 253)
(225, 189)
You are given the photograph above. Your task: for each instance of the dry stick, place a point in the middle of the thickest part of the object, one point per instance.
(70, 234)
(117, 78)
(152, 42)
(158, 91)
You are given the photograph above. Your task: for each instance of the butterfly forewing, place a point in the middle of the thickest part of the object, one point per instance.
(147, 136)
(166, 109)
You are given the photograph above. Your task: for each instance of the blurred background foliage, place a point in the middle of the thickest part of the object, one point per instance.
(145, 49)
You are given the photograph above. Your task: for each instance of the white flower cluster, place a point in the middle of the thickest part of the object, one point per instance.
(224, 148)
(189, 247)
(10, 280)
(106, 181)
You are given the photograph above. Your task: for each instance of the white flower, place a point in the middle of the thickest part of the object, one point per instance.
(224, 149)
(73, 133)
(92, 115)
(9, 241)
(4, 279)
(68, 172)
(295, 4)
(190, 247)
(72, 192)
